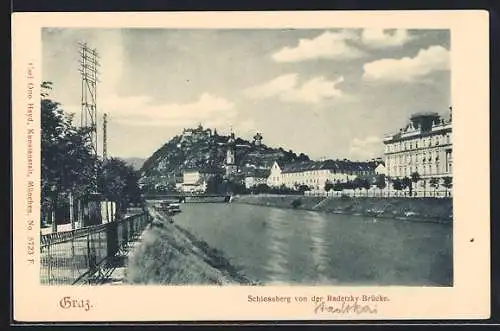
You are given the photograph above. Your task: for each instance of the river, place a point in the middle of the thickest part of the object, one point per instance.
(285, 246)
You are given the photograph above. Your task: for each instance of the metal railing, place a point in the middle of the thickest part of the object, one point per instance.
(86, 254)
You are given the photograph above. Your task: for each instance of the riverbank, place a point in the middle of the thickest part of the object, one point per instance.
(168, 254)
(414, 209)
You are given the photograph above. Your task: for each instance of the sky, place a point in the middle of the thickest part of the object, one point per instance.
(331, 93)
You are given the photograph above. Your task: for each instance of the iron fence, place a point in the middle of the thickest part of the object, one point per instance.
(77, 256)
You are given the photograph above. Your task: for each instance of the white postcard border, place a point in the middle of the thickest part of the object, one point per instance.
(469, 298)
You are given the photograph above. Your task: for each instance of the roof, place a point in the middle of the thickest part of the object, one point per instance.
(337, 165)
(424, 114)
(259, 173)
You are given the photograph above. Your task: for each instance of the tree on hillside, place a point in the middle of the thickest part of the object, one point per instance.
(303, 157)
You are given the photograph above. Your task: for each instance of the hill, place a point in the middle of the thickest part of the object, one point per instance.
(203, 148)
(135, 162)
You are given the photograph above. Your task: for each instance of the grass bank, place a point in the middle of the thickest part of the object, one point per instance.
(171, 255)
(412, 209)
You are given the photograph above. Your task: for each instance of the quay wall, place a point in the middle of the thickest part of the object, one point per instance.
(439, 210)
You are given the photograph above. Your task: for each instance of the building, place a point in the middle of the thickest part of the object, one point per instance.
(424, 146)
(195, 180)
(199, 131)
(256, 177)
(380, 169)
(315, 174)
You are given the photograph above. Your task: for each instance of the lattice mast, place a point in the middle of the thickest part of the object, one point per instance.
(89, 70)
(105, 137)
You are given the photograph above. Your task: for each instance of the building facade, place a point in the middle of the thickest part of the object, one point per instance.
(195, 180)
(256, 177)
(315, 174)
(380, 169)
(424, 146)
(252, 181)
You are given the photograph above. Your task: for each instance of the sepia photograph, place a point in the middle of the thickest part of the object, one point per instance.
(222, 156)
(250, 166)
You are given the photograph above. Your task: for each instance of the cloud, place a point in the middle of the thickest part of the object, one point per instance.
(288, 89)
(380, 38)
(365, 148)
(408, 69)
(314, 91)
(342, 45)
(144, 111)
(328, 45)
(272, 88)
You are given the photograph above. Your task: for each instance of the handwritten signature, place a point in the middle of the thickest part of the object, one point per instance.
(345, 308)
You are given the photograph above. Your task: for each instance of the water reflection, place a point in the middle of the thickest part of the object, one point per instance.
(303, 247)
(318, 249)
(277, 247)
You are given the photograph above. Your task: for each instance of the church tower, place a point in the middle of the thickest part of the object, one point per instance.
(230, 156)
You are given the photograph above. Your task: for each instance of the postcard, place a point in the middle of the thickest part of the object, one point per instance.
(250, 166)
